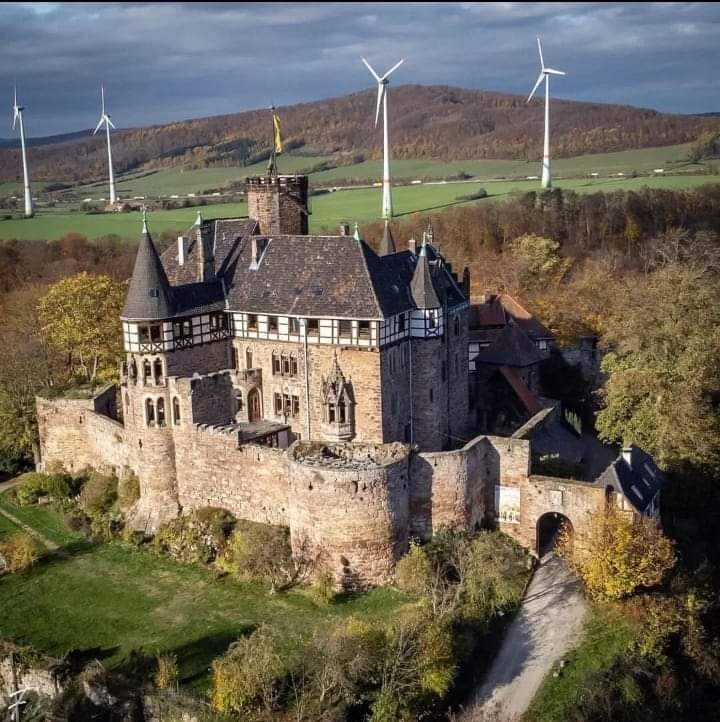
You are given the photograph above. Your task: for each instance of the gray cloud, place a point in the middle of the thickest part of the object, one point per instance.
(163, 62)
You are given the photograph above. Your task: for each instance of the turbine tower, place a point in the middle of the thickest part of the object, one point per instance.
(545, 74)
(105, 118)
(18, 117)
(382, 81)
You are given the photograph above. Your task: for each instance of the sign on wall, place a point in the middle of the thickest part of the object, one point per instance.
(507, 504)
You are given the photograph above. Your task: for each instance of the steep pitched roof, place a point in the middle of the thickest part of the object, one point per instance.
(635, 475)
(511, 348)
(149, 296)
(387, 245)
(421, 287)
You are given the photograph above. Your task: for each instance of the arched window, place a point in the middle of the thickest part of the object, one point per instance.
(149, 412)
(276, 364)
(293, 365)
(161, 412)
(158, 371)
(239, 401)
(133, 369)
(176, 410)
(147, 371)
(248, 358)
(285, 365)
(341, 411)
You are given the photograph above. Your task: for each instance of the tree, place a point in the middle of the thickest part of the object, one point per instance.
(663, 385)
(80, 316)
(623, 553)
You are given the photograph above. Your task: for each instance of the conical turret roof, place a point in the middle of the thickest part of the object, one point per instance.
(149, 296)
(421, 286)
(387, 245)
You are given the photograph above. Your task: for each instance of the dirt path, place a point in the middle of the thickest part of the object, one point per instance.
(547, 626)
(52, 546)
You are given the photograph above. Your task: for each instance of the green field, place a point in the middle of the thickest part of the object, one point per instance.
(328, 210)
(146, 602)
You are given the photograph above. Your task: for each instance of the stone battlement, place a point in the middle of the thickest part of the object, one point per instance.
(348, 456)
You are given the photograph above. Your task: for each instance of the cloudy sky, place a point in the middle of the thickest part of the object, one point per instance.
(170, 61)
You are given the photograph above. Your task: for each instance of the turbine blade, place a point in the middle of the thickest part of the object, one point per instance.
(102, 96)
(550, 71)
(381, 93)
(542, 62)
(110, 123)
(99, 125)
(370, 68)
(393, 69)
(15, 117)
(535, 87)
(15, 107)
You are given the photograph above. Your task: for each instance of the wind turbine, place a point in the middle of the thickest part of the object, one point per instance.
(382, 81)
(545, 74)
(105, 118)
(18, 116)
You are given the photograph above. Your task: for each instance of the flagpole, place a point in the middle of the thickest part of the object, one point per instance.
(272, 167)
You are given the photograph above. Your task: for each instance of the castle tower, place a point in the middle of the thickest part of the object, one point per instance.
(279, 203)
(147, 404)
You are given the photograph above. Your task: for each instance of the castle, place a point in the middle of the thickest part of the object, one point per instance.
(312, 382)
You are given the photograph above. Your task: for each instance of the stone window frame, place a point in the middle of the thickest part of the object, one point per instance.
(158, 371)
(149, 411)
(176, 416)
(160, 416)
(278, 403)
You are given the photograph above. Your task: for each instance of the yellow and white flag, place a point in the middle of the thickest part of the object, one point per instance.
(277, 134)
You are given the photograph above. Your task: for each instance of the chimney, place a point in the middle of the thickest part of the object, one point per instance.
(344, 229)
(412, 246)
(205, 255)
(181, 250)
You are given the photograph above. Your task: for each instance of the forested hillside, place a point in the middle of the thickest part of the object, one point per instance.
(427, 122)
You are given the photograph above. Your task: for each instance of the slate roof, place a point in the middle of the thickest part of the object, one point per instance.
(637, 478)
(512, 347)
(498, 310)
(314, 276)
(149, 296)
(522, 390)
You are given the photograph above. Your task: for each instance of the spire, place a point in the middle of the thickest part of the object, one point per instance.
(149, 296)
(387, 245)
(421, 286)
(198, 219)
(356, 235)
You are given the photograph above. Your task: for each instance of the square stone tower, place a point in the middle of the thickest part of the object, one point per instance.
(279, 204)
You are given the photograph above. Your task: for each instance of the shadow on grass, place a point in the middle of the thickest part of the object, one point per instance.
(70, 550)
(442, 206)
(195, 658)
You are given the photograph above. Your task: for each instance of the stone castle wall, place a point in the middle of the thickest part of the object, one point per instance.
(356, 504)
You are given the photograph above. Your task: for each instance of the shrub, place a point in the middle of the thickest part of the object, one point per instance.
(76, 520)
(262, 552)
(197, 537)
(19, 551)
(248, 676)
(99, 493)
(323, 587)
(128, 490)
(30, 489)
(167, 673)
(414, 571)
(477, 195)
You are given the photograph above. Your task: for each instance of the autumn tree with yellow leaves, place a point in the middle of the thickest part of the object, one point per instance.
(80, 317)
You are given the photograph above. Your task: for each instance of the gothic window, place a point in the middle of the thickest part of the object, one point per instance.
(278, 402)
(345, 328)
(331, 413)
(158, 371)
(252, 322)
(295, 406)
(161, 412)
(276, 364)
(147, 371)
(342, 418)
(273, 324)
(285, 365)
(248, 358)
(287, 405)
(133, 369)
(149, 412)
(294, 325)
(176, 410)
(293, 365)
(338, 405)
(364, 329)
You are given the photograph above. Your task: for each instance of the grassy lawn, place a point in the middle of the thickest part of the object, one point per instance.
(328, 210)
(607, 636)
(109, 599)
(41, 518)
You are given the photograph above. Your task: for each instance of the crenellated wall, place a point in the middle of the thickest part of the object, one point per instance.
(355, 505)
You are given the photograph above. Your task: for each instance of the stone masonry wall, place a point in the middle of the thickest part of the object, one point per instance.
(355, 516)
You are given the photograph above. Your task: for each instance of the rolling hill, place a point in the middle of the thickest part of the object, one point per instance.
(437, 122)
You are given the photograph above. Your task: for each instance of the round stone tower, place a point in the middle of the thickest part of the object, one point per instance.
(279, 203)
(147, 404)
(349, 508)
